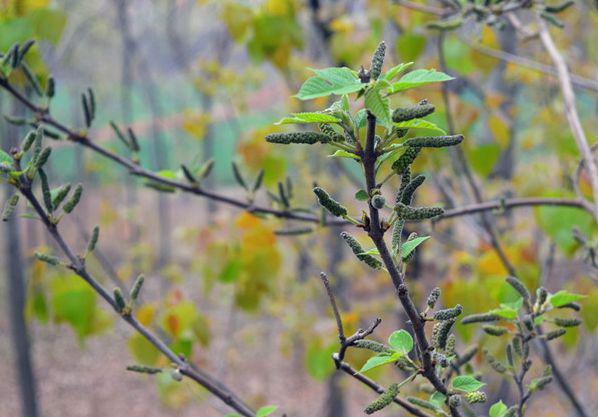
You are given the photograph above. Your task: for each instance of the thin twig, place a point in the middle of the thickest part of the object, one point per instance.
(525, 62)
(571, 109)
(77, 265)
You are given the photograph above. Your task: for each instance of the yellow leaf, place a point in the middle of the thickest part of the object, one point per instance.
(500, 130)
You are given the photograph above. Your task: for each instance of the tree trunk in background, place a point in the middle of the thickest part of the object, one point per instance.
(159, 151)
(505, 166)
(206, 103)
(126, 103)
(16, 298)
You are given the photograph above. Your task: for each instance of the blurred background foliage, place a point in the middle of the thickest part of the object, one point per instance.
(207, 79)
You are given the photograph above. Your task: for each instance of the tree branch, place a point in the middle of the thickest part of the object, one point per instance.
(571, 109)
(77, 264)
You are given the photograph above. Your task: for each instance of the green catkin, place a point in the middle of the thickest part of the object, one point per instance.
(28, 141)
(398, 132)
(451, 344)
(377, 61)
(119, 134)
(397, 231)
(476, 397)
(15, 121)
(433, 297)
(51, 87)
(405, 179)
(519, 287)
(518, 346)
(449, 313)
(410, 189)
(403, 114)
(405, 160)
(326, 129)
(283, 195)
(60, 195)
(358, 251)
(541, 383)
(550, 18)
(95, 234)
(422, 403)
(144, 369)
(136, 288)
(188, 175)
(372, 345)
(378, 202)
(572, 306)
(510, 359)
(25, 48)
(10, 207)
(38, 161)
(567, 322)
(307, 138)
(467, 355)
(480, 318)
(383, 400)
(46, 193)
(559, 8)
(333, 206)
(70, 205)
(440, 333)
(555, 334)
(497, 365)
(238, 176)
(257, 184)
(49, 259)
(119, 299)
(541, 296)
(86, 110)
(494, 330)
(92, 103)
(434, 141)
(206, 169)
(133, 140)
(417, 213)
(445, 24)
(32, 79)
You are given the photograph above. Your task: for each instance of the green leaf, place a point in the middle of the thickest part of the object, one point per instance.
(498, 409)
(301, 118)
(360, 118)
(373, 251)
(410, 245)
(329, 81)
(379, 360)
(419, 124)
(557, 222)
(438, 399)
(467, 383)
(379, 106)
(394, 71)
(564, 297)
(344, 154)
(418, 78)
(505, 312)
(5, 158)
(266, 411)
(401, 341)
(362, 195)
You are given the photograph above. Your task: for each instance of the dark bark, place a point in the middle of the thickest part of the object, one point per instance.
(16, 301)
